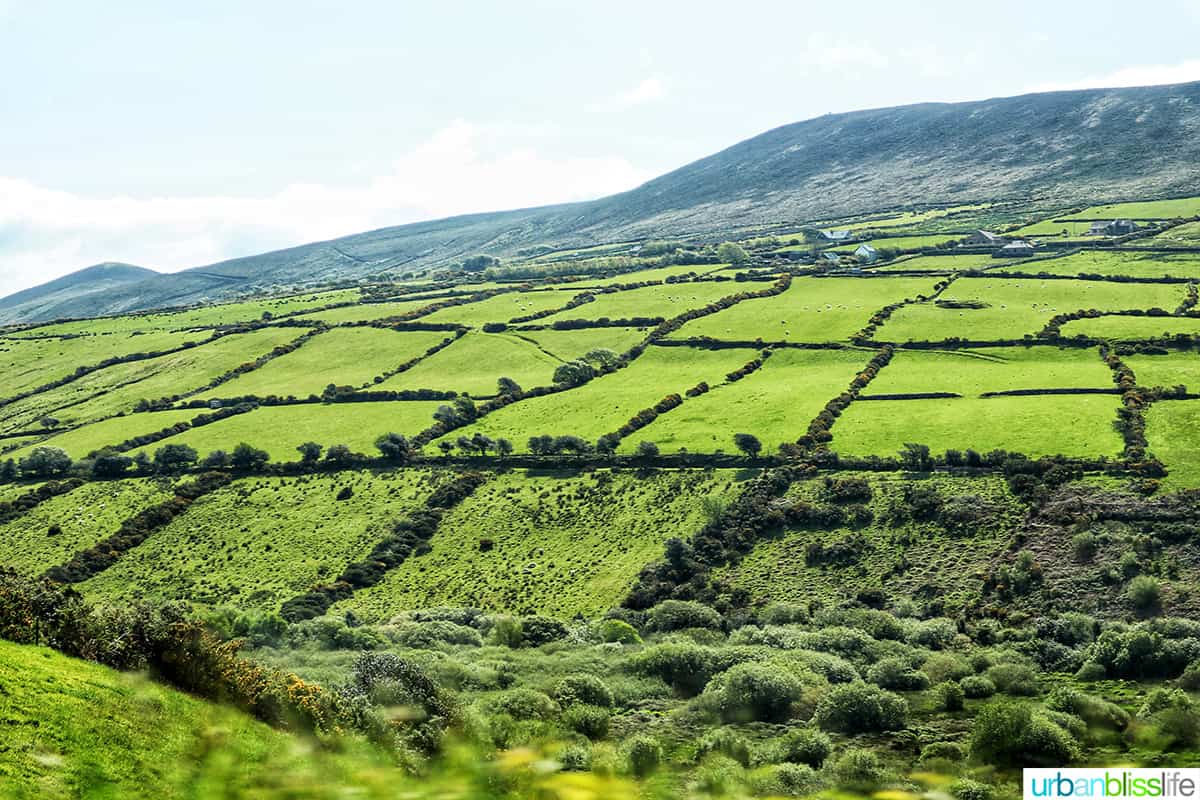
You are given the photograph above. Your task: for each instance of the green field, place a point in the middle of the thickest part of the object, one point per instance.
(1171, 428)
(1185, 235)
(811, 310)
(561, 543)
(668, 300)
(1018, 307)
(571, 344)
(915, 559)
(902, 242)
(341, 356)
(1071, 425)
(473, 364)
(653, 274)
(291, 533)
(606, 403)
(501, 308)
(1172, 369)
(776, 403)
(117, 389)
(1100, 262)
(992, 369)
(84, 516)
(367, 312)
(1125, 328)
(947, 263)
(112, 431)
(280, 429)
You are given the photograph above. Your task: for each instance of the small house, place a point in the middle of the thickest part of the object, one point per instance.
(1116, 227)
(837, 236)
(1018, 249)
(830, 257)
(866, 253)
(984, 239)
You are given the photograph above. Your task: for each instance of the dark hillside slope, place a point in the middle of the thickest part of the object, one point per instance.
(36, 302)
(1093, 145)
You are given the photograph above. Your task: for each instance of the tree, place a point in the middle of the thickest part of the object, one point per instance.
(141, 463)
(647, 449)
(574, 373)
(507, 387)
(394, 447)
(339, 454)
(246, 457)
(48, 422)
(541, 445)
(504, 447)
(747, 443)
(731, 253)
(446, 446)
(479, 263)
(482, 443)
(46, 462)
(916, 457)
(8, 471)
(310, 452)
(217, 459)
(109, 464)
(602, 357)
(174, 457)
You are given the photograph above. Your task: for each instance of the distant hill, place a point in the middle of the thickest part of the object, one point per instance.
(43, 301)
(1091, 145)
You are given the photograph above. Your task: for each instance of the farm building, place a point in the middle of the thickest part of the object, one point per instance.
(837, 236)
(984, 239)
(1017, 249)
(1116, 227)
(831, 257)
(866, 253)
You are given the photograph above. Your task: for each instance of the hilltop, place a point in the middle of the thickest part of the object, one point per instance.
(39, 301)
(1061, 147)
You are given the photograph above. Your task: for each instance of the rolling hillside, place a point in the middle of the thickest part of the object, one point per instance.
(1062, 147)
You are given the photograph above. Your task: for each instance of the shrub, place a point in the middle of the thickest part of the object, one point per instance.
(642, 754)
(506, 631)
(1144, 593)
(783, 614)
(934, 634)
(674, 615)
(537, 631)
(858, 770)
(1189, 681)
(860, 708)
(790, 780)
(943, 751)
(754, 691)
(429, 635)
(1093, 710)
(1091, 671)
(977, 687)
(727, 743)
(584, 689)
(1084, 546)
(616, 630)
(1008, 733)
(591, 721)
(942, 667)
(804, 746)
(1015, 679)
(576, 757)
(1162, 698)
(951, 696)
(895, 673)
(967, 789)
(687, 667)
(524, 703)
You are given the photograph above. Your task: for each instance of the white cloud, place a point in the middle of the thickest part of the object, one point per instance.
(648, 91)
(46, 233)
(832, 53)
(1145, 75)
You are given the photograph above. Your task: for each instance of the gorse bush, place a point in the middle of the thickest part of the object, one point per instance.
(674, 615)
(585, 689)
(860, 708)
(1009, 733)
(895, 673)
(804, 746)
(754, 691)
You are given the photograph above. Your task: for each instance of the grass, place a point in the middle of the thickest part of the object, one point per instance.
(341, 356)
(1172, 369)
(561, 543)
(1122, 328)
(776, 403)
(652, 274)
(501, 308)
(473, 364)
(1018, 307)
(84, 516)
(811, 310)
(1185, 235)
(117, 389)
(939, 263)
(1171, 428)
(911, 559)
(992, 369)
(668, 300)
(608, 402)
(1079, 425)
(902, 242)
(261, 541)
(571, 344)
(88, 438)
(280, 429)
(367, 312)
(1100, 262)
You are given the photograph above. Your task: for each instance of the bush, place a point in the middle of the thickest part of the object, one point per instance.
(860, 708)
(687, 667)
(537, 631)
(430, 635)
(858, 770)
(576, 757)
(727, 743)
(967, 789)
(943, 751)
(584, 689)
(895, 673)
(1091, 671)
(506, 631)
(675, 615)
(1189, 681)
(1093, 710)
(977, 687)
(1144, 593)
(1015, 679)
(642, 754)
(942, 667)
(762, 692)
(1008, 733)
(951, 696)
(783, 614)
(790, 780)
(524, 703)
(591, 721)
(1084, 546)
(804, 746)
(615, 630)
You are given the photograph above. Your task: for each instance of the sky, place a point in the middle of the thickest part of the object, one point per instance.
(173, 135)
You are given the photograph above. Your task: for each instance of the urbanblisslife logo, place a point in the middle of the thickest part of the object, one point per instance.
(1112, 782)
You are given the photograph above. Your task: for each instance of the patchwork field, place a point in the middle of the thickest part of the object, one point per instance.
(1072, 425)
(558, 544)
(572, 344)
(473, 364)
(290, 534)
(501, 308)
(776, 403)
(668, 300)
(938, 263)
(992, 369)
(341, 356)
(1124, 263)
(1185, 235)
(1171, 428)
(1167, 370)
(1014, 308)
(367, 312)
(901, 242)
(811, 310)
(85, 439)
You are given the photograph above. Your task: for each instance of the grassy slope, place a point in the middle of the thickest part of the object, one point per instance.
(1119, 328)
(473, 364)
(608, 402)
(1166, 370)
(501, 308)
(280, 429)
(992, 369)
(563, 543)
(80, 441)
(812, 310)
(1185, 235)
(939, 263)
(1099, 262)
(1047, 425)
(776, 403)
(1171, 433)
(342, 356)
(568, 345)
(1018, 307)
(259, 542)
(85, 515)
(366, 312)
(668, 300)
